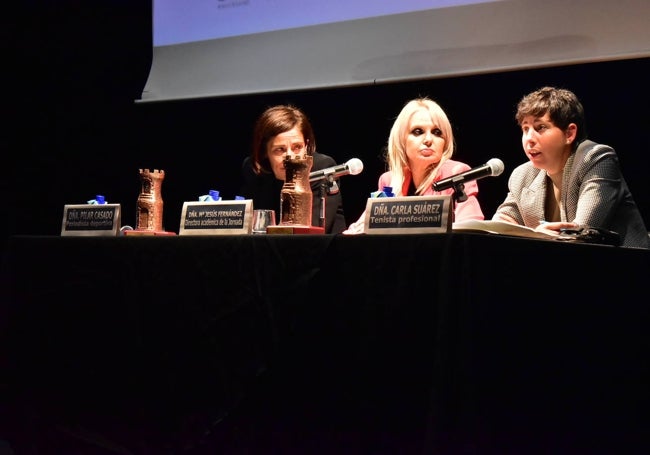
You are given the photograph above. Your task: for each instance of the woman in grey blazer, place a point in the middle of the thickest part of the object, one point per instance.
(569, 181)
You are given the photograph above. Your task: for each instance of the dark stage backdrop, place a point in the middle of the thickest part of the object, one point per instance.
(74, 129)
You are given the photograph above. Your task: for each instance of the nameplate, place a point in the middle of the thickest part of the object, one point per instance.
(216, 218)
(90, 220)
(408, 215)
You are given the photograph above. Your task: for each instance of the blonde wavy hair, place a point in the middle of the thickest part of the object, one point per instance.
(396, 150)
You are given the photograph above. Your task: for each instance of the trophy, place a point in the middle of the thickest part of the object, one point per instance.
(296, 195)
(149, 215)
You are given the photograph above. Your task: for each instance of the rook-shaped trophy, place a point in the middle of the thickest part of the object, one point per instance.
(149, 215)
(296, 195)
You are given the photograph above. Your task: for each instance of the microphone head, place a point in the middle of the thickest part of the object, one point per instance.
(496, 166)
(355, 166)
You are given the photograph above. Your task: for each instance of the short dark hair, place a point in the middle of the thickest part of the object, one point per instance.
(273, 121)
(562, 105)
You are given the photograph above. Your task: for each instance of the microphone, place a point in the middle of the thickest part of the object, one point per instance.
(492, 168)
(354, 166)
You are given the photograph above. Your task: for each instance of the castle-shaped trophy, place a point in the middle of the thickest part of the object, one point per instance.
(149, 214)
(296, 195)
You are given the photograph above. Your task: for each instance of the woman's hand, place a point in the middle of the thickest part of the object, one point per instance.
(355, 228)
(553, 228)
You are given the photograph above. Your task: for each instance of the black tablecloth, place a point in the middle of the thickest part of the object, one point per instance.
(377, 344)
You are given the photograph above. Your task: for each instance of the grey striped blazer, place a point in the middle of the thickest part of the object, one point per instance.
(594, 194)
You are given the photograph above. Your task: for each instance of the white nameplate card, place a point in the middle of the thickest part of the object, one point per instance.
(87, 220)
(217, 217)
(408, 215)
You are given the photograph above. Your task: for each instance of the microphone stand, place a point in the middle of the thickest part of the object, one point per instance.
(325, 185)
(459, 192)
(458, 196)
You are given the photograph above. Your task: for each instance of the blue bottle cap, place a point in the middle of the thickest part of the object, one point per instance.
(239, 198)
(214, 194)
(100, 199)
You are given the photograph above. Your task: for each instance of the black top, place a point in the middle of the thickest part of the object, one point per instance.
(265, 189)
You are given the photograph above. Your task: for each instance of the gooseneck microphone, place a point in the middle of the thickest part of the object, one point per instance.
(492, 168)
(353, 166)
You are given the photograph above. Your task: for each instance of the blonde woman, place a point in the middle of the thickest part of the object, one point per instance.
(420, 147)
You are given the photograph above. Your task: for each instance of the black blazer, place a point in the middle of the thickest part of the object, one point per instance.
(265, 189)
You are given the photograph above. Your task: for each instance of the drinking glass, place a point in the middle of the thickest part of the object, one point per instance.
(262, 219)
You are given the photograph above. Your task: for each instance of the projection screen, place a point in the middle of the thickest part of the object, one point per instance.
(208, 48)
